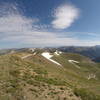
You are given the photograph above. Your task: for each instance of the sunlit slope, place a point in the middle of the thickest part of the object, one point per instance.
(85, 64)
(25, 79)
(86, 75)
(37, 77)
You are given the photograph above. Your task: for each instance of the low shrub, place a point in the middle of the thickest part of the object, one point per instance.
(41, 71)
(85, 94)
(49, 80)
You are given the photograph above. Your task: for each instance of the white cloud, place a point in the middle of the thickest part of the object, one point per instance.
(19, 30)
(64, 16)
(14, 23)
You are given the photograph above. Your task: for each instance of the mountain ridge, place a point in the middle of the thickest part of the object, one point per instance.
(37, 77)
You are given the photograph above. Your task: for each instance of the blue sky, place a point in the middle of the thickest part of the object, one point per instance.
(39, 23)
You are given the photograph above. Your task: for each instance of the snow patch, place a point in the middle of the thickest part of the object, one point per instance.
(60, 52)
(48, 56)
(34, 53)
(73, 62)
(32, 49)
(57, 52)
(91, 76)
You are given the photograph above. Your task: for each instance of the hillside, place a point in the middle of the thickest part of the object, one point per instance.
(91, 52)
(28, 75)
(97, 59)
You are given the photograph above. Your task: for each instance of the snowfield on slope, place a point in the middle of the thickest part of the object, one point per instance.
(73, 62)
(57, 52)
(48, 56)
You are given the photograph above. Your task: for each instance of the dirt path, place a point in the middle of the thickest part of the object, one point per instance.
(29, 55)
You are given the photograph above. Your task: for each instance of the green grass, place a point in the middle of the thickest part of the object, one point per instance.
(53, 81)
(85, 94)
(17, 75)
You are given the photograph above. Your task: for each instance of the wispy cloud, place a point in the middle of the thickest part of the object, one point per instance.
(64, 16)
(17, 29)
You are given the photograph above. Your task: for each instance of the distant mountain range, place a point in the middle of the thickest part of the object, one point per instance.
(92, 52)
(97, 59)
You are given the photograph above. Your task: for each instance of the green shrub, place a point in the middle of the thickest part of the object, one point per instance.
(14, 73)
(41, 71)
(49, 80)
(4, 97)
(30, 81)
(85, 94)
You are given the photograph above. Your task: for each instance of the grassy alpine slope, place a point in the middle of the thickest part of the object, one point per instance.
(35, 77)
